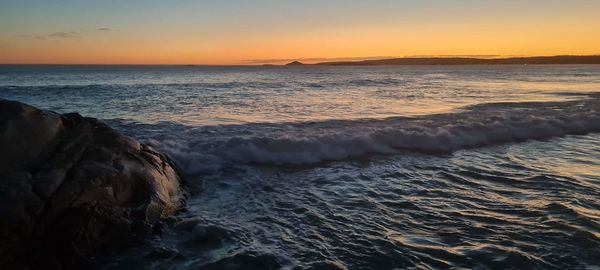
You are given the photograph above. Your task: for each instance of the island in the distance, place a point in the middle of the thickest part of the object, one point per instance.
(295, 63)
(537, 60)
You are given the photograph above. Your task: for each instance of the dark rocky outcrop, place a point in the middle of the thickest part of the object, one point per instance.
(71, 186)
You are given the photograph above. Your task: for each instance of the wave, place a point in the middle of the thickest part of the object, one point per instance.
(211, 148)
(219, 85)
(142, 86)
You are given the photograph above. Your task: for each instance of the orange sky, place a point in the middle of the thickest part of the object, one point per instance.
(190, 33)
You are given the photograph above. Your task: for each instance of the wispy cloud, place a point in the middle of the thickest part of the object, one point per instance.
(57, 35)
(70, 34)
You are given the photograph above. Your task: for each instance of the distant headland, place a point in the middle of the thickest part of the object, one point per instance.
(536, 60)
(295, 63)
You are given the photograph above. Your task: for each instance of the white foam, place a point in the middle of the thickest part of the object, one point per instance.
(317, 142)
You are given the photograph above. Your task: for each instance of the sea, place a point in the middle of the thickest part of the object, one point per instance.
(363, 167)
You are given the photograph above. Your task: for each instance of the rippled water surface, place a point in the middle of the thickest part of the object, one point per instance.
(426, 167)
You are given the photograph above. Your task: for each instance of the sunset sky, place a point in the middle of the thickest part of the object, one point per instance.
(268, 31)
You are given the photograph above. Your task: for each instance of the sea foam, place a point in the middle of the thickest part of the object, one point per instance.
(306, 143)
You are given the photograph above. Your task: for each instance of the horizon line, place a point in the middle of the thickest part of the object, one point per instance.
(282, 62)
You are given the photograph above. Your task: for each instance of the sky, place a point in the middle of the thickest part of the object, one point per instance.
(274, 31)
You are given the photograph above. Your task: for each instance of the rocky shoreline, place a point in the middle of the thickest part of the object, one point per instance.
(72, 186)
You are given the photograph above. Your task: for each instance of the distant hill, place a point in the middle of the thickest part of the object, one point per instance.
(538, 60)
(295, 63)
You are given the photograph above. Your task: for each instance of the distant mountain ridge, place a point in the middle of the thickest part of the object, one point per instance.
(536, 60)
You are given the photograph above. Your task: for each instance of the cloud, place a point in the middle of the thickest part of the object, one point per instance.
(70, 34)
(67, 34)
(57, 35)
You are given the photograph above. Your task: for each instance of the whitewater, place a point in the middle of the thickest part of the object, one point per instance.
(390, 167)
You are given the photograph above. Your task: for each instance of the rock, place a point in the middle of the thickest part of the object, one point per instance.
(72, 186)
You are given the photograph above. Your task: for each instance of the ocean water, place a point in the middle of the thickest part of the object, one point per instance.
(420, 167)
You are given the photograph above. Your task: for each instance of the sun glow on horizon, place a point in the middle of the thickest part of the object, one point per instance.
(237, 32)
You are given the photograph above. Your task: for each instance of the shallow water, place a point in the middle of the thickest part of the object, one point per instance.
(487, 167)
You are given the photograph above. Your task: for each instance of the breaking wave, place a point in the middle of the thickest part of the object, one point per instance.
(210, 148)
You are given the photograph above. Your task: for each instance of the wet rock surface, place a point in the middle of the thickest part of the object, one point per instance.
(72, 186)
